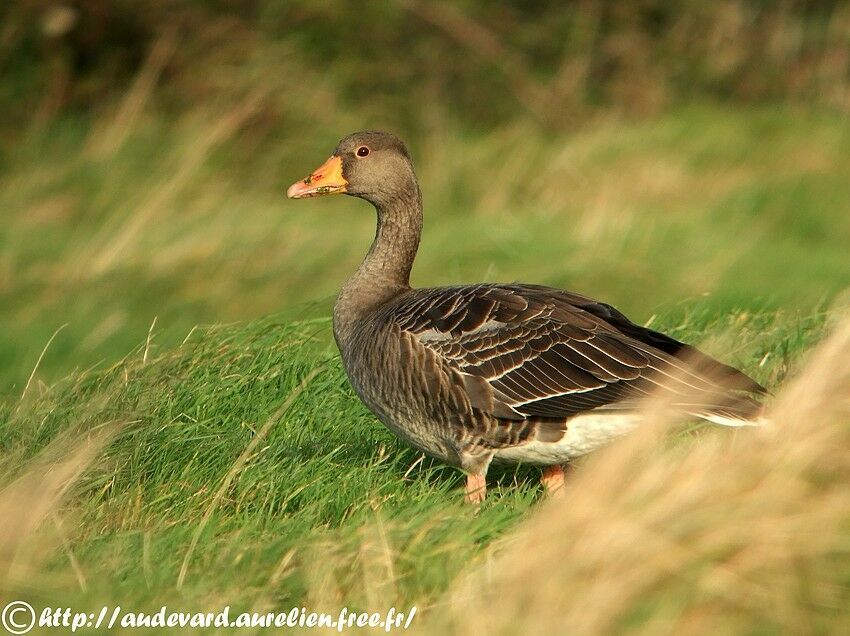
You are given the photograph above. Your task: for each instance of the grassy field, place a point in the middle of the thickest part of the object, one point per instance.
(176, 428)
(206, 472)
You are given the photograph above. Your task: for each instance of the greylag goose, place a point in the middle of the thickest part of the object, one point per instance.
(473, 374)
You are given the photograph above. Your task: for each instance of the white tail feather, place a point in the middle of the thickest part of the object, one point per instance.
(725, 420)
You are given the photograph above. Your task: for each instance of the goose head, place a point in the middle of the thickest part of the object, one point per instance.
(374, 166)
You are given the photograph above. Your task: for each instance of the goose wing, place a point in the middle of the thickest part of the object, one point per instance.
(527, 352)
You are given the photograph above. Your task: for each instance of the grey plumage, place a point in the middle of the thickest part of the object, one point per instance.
(474, 373)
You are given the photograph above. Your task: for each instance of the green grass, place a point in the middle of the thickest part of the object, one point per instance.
(719, 226)
(324, 482)
(328, 490)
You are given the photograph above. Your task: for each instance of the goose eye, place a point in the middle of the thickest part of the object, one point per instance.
(362, 151)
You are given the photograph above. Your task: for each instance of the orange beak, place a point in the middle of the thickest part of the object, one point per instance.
(326, 179)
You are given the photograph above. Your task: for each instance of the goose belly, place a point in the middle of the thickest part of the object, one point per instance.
(396, 382)
(420, 434)
(584, 434)
(414, 421)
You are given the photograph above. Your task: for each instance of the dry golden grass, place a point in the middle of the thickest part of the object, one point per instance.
(736, 533)
(30, 507)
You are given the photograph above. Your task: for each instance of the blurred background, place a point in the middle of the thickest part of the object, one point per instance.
(671, 158)
(688, 162)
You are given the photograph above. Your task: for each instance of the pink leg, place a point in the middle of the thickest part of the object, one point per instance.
(476, 488)
(553, 479)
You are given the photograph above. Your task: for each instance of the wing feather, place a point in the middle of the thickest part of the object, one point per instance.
(536, 352)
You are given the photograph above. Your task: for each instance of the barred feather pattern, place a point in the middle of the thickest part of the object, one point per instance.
(479, 373)
(472, 373)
